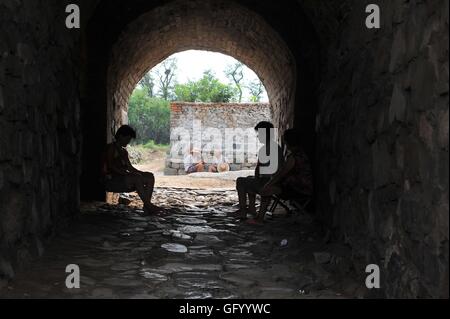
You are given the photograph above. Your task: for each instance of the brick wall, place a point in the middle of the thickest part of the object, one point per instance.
(191, 117)
(220, 26)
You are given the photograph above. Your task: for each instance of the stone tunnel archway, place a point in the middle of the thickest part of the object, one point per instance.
(373, 102)
(222, 27)
(286, 60)
(345, 75)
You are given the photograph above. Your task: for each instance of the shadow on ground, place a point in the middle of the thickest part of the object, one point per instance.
(196, 251)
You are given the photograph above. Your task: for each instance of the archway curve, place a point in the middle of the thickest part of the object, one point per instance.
(219, 26)
(109, 19)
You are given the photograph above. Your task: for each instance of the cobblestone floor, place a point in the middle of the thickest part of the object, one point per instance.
(196, 251)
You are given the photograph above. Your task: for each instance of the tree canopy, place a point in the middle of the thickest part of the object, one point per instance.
(235, 73)
(208, 90)
(150, 117)
(149, 106)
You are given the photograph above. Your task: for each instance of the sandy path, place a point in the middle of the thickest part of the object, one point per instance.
(157, 168)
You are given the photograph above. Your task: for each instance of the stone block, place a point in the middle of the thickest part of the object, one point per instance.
(381, 163)
(2, 100)
(2, 73)
(6, 269)
(15, 175)
(170, 172)
(397, 110)
(422, 78)
(398, 50)
(25, 53)
(426, 131)
(175, 166)
(322, 258)
(443, 129)
(235, 167)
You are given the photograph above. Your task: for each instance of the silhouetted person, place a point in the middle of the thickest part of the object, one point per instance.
(294, 178)
(120, 175)
(249, 187)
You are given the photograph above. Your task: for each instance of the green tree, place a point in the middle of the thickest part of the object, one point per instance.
(187, 92)
(235, 72)
(150, 117)
(148, 83)
(208, 90)
(256, 89)
(166, 75)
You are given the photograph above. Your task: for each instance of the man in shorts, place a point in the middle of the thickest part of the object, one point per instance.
(193, 162)
(249, 187)
(121, 177)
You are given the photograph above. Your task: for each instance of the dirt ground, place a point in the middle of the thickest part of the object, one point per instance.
(155, 163)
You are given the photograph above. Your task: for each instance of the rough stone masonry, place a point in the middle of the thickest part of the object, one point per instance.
(217, 124)
(372, 106)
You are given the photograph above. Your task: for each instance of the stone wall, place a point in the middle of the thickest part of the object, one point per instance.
(382, 145)
(193, 119)
(213, 25)
(382, 128)
(39, 128)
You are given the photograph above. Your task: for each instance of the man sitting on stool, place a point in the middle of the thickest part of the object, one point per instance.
(294, 178)
(193, 162)
(249, 187)
(219, 165)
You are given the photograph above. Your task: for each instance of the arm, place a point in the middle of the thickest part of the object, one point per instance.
(187, 162)
(282, 173)
(131, 168)
(111, 165)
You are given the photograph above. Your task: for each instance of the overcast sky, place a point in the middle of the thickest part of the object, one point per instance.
(192, 64)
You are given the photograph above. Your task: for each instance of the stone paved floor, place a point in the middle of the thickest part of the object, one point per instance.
(195, 251)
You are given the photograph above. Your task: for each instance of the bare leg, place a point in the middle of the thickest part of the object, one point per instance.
(252, 203)
(145, 185)
(143, 191)
(242, 194)
(213, 169)
(265, 202)
(149, 181)
(149, 184)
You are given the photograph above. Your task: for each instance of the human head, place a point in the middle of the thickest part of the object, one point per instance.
(124, 135)
(263, 129)
(217, 152)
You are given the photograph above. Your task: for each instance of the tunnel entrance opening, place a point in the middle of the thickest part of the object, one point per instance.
(381, 129)
(202, 99)
(143, 35)
(223, 27)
